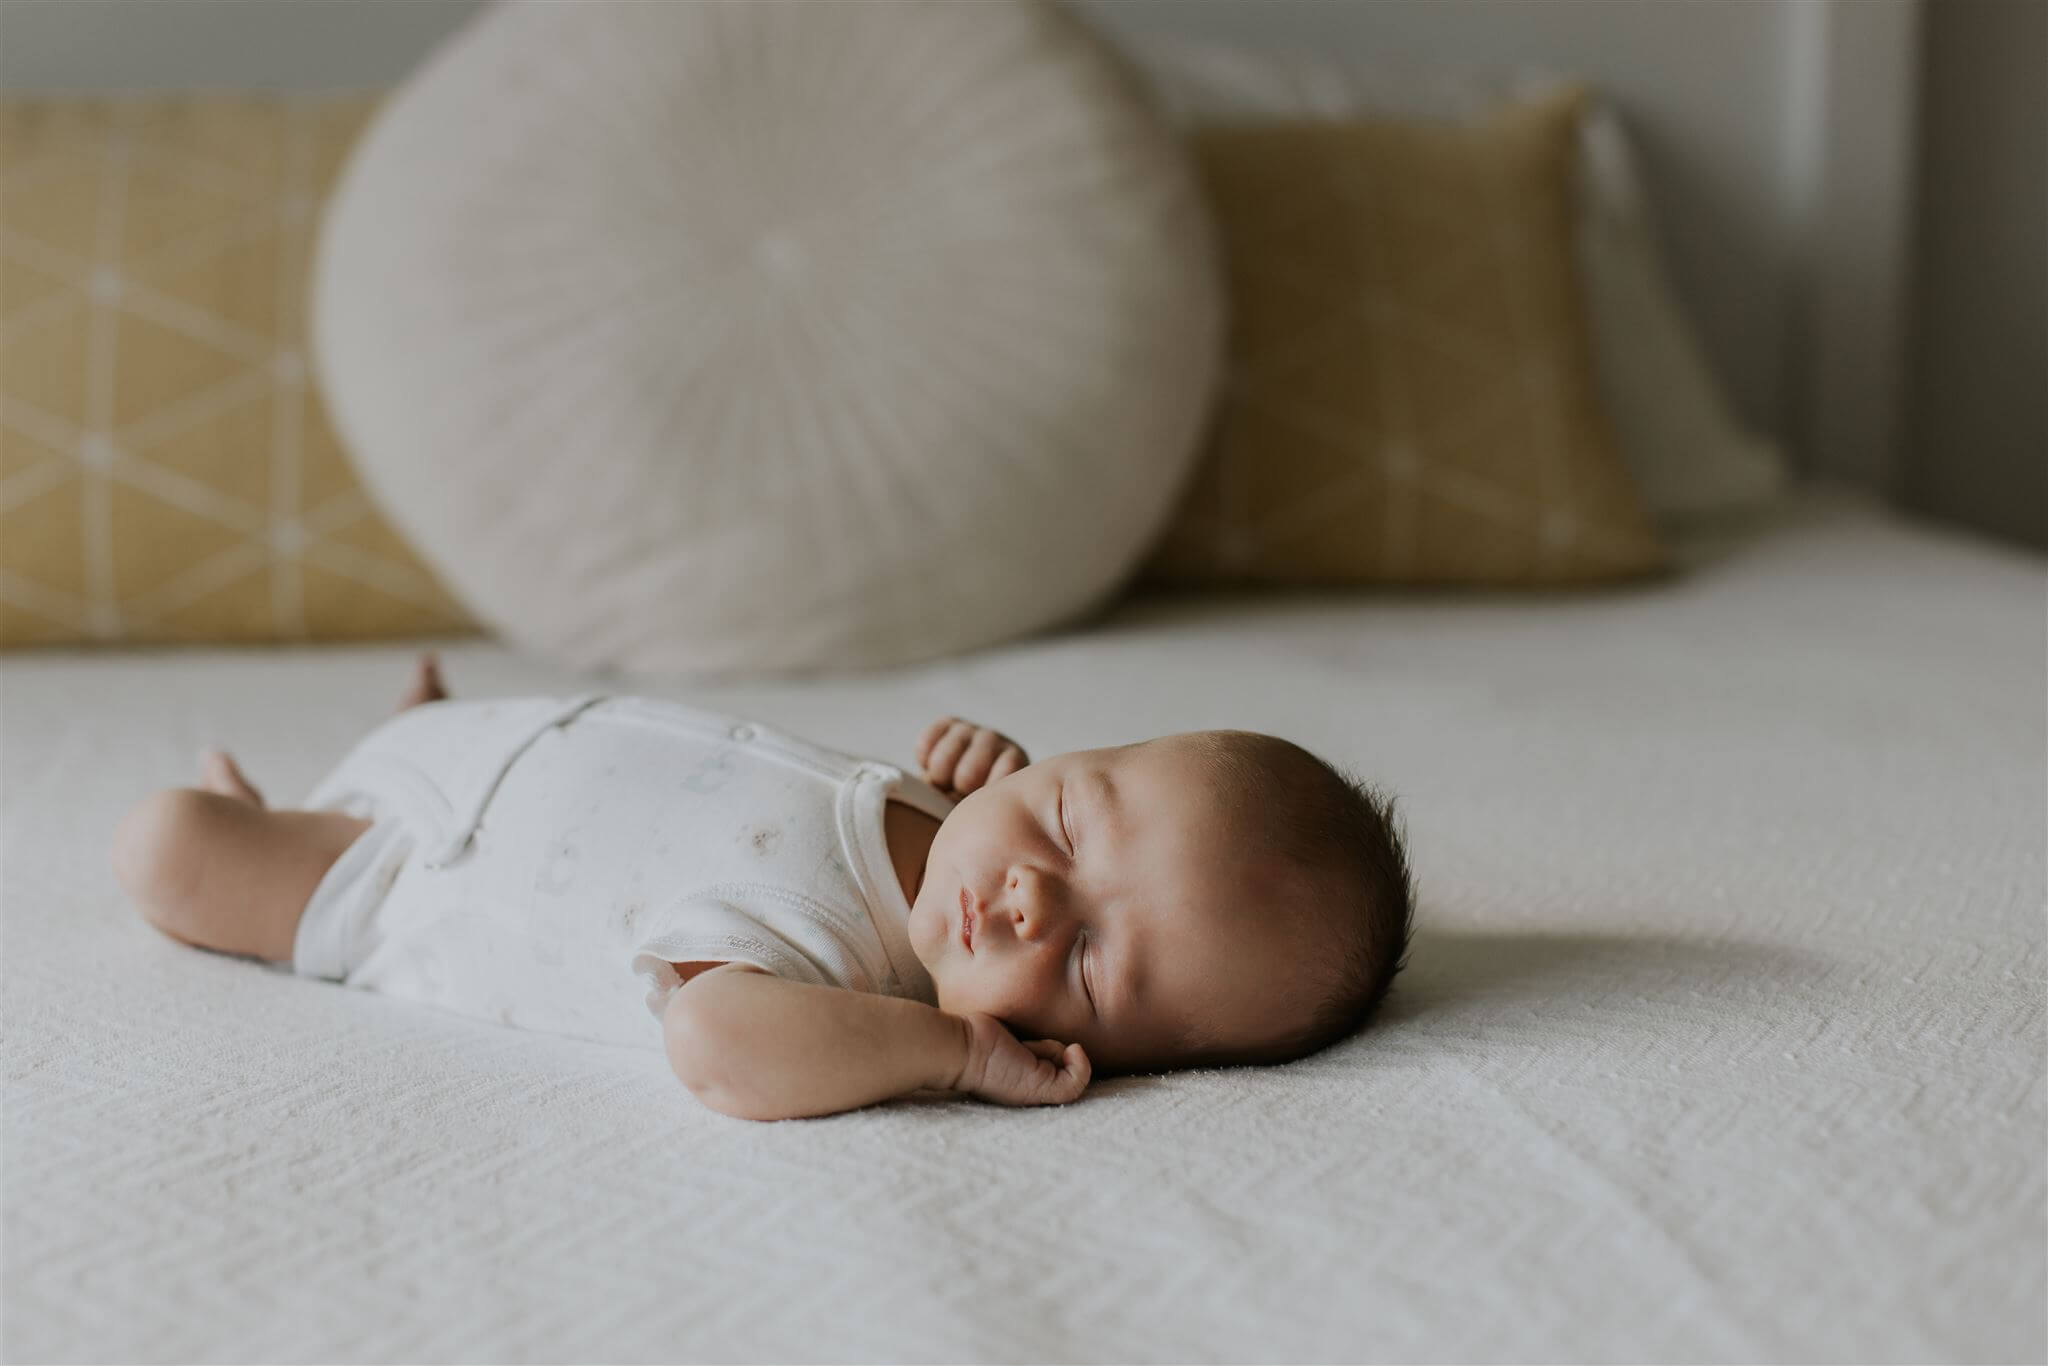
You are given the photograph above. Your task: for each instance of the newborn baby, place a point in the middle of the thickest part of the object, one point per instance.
(812, 931)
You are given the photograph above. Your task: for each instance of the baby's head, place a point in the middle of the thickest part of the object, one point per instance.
(1204, 899)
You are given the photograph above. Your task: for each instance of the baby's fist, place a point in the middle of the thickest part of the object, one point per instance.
(1011, 1071)
(958, 756)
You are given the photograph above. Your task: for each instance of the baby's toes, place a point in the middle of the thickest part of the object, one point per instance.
(426, 685)
(219, 773)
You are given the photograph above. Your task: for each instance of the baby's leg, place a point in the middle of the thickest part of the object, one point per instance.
(209, 865)
(223, 873)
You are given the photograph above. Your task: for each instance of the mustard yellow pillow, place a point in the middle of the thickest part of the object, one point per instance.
(166, 470)
(1410, 395)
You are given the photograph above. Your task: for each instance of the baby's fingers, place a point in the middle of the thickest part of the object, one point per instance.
(931, 736)
(973, 769)
(1008, 761)
(945, 753)
(1074, 1073)
(1068, 1075)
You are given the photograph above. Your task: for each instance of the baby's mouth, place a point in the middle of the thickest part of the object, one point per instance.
(966, 921)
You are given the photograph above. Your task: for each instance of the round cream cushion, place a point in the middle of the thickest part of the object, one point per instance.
(770, 336)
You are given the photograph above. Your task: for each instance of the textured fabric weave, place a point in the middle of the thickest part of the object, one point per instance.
(1722, 1038)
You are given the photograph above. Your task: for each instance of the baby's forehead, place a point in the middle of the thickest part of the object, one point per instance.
(1173, 783)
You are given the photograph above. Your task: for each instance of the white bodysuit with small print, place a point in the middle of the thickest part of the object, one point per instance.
(543, 862)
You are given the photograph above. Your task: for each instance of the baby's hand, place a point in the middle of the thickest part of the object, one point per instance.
(1010, 1071)
(958, 756)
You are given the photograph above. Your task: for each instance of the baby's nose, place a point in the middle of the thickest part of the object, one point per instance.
(1029, 904)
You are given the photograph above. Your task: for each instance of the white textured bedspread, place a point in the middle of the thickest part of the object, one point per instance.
(1723, 1037)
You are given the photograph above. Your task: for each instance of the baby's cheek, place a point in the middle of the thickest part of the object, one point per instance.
(1033, 1015)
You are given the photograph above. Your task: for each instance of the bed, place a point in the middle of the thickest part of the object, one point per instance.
(1722, 1036)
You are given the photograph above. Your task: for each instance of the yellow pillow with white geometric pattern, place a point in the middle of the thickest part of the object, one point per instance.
(166, 470)
(1410, 389)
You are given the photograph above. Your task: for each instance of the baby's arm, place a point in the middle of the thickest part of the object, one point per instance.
(755, 1046)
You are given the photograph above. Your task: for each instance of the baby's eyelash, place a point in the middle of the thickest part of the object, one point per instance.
(1065, 833)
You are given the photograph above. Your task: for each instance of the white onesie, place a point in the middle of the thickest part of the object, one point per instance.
(541, 862)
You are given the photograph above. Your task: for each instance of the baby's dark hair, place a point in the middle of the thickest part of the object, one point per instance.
(1338, 838)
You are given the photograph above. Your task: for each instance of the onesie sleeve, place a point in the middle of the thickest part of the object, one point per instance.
(716, 930)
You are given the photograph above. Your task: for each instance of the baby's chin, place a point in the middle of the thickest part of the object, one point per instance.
(930, 955)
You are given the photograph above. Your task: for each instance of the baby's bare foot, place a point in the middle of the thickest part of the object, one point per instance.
(217, 773)
(426, 683)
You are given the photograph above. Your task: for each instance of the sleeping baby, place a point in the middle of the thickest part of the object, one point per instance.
(812, 932)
